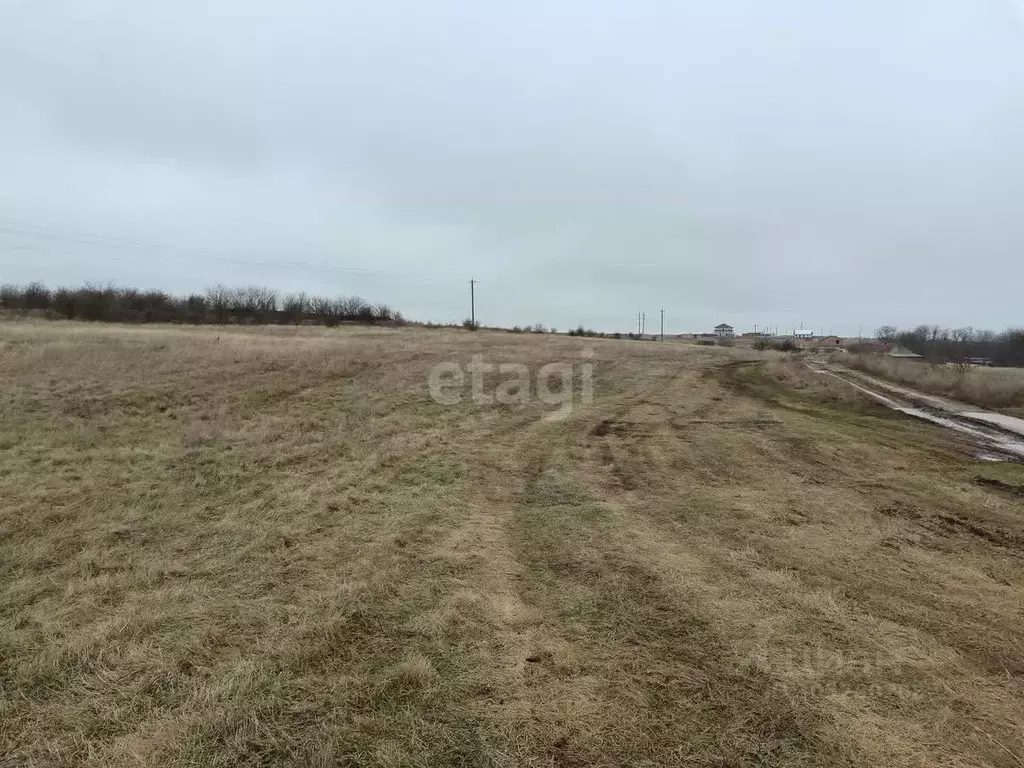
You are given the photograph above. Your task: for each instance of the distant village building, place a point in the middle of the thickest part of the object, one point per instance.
(828, 341)
(724, 331)
(804, 333)
(902, 353)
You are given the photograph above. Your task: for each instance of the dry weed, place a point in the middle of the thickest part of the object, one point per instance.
(269, 546)
(995, 388)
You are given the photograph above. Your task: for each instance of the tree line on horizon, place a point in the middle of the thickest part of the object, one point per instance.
(944, 345)
(218, 304)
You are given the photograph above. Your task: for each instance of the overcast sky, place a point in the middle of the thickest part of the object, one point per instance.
(836, 164)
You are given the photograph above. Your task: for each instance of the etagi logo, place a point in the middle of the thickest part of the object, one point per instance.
(554, 383)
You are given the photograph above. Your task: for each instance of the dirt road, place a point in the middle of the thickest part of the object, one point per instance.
(994, 436)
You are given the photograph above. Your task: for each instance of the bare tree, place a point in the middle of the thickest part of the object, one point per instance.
(255, 303)
(36, 296)
(195, 308)
(219, 304)
(355, 308)
(10, 295)
(295, 305)
(65, 301)
(326, 310)
(887, 333)
(219, 298)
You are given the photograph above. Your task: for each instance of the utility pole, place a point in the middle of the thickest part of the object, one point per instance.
(472, 302)
(643, 323)
(662, 323)
(638, 323)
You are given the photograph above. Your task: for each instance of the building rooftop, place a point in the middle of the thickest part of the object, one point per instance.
(904, 353)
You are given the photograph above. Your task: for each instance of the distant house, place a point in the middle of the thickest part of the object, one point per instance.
(804, 333)
(724, 331)
(828, 341)
(902, 353)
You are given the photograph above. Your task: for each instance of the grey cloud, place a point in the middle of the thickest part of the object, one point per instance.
(839, 164)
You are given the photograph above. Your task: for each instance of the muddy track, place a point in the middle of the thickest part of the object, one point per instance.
(986, 434)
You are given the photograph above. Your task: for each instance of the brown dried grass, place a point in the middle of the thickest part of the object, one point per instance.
(995, 388)
(269, 546)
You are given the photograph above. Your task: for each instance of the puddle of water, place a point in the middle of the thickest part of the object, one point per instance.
(998, 419)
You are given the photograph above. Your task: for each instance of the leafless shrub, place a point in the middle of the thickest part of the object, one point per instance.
(219, 304)
(218, 298)
(942, 345)
(294, 307)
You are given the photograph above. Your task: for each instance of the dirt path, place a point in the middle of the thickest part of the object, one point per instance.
(994, 436)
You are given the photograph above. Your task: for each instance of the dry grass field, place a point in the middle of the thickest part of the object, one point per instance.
(253, 547)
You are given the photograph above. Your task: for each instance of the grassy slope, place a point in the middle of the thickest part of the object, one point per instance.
(271, 547)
